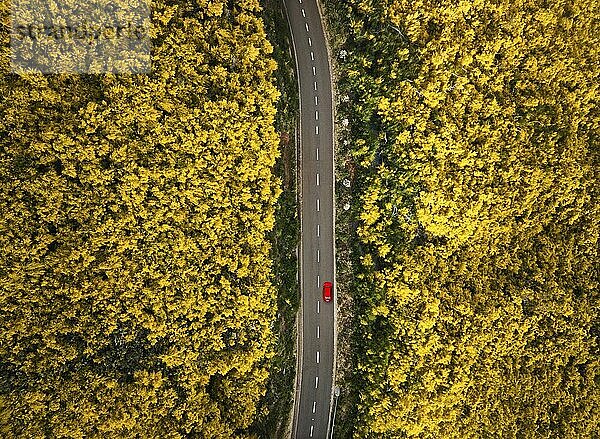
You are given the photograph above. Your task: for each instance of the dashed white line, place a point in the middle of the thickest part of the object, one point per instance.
(312, 427)
(318, 179)
(316, 382)
(318, 205)
(318, 255)
(314, 71)
(315, 85)
(318, 230)
(303, 13)
(317, 129)
(314, 406)
(318, 356)
(306, 25)
(317, 154)
(316, 100)
(318, 306)
(317, 115)
(309, 42)
(318, 331)
(312, 56)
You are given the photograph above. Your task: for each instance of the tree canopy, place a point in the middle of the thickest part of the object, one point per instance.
(135, 290)
(474, 132)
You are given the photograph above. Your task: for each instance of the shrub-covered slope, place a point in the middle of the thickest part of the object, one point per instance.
(474, 141)
(135, 294)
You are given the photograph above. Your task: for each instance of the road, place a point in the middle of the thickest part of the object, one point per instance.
(317, 257)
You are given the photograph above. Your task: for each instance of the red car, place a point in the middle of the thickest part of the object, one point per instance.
(327, 291)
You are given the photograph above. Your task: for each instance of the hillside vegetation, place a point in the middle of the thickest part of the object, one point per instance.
(473, 143)
(135, 290)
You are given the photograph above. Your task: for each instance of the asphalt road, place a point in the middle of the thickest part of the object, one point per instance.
(316, 338)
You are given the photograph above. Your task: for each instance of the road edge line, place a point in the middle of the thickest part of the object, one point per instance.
(299, 328)
(324, 26)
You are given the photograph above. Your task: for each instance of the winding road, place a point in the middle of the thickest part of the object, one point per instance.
(316, 343)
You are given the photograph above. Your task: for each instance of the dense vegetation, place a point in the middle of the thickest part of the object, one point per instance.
(279, 398)
(135, 290)
(473, 143)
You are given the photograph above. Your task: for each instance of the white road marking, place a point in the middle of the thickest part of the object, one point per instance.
(317, 129)
(316, 382)
(303, 13)
(318, 331)
(318, 356)
(306, 25)
(311, 430)
(318, 205)
(318, 255)
(315, 85)
(318, 280)
(317, 115)
(314, 406)
(318, 306)
(312, 56)
(317, 154)
(318, 230)
(318, 179)
(316, 100)
(309, 42)
(314, 71)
